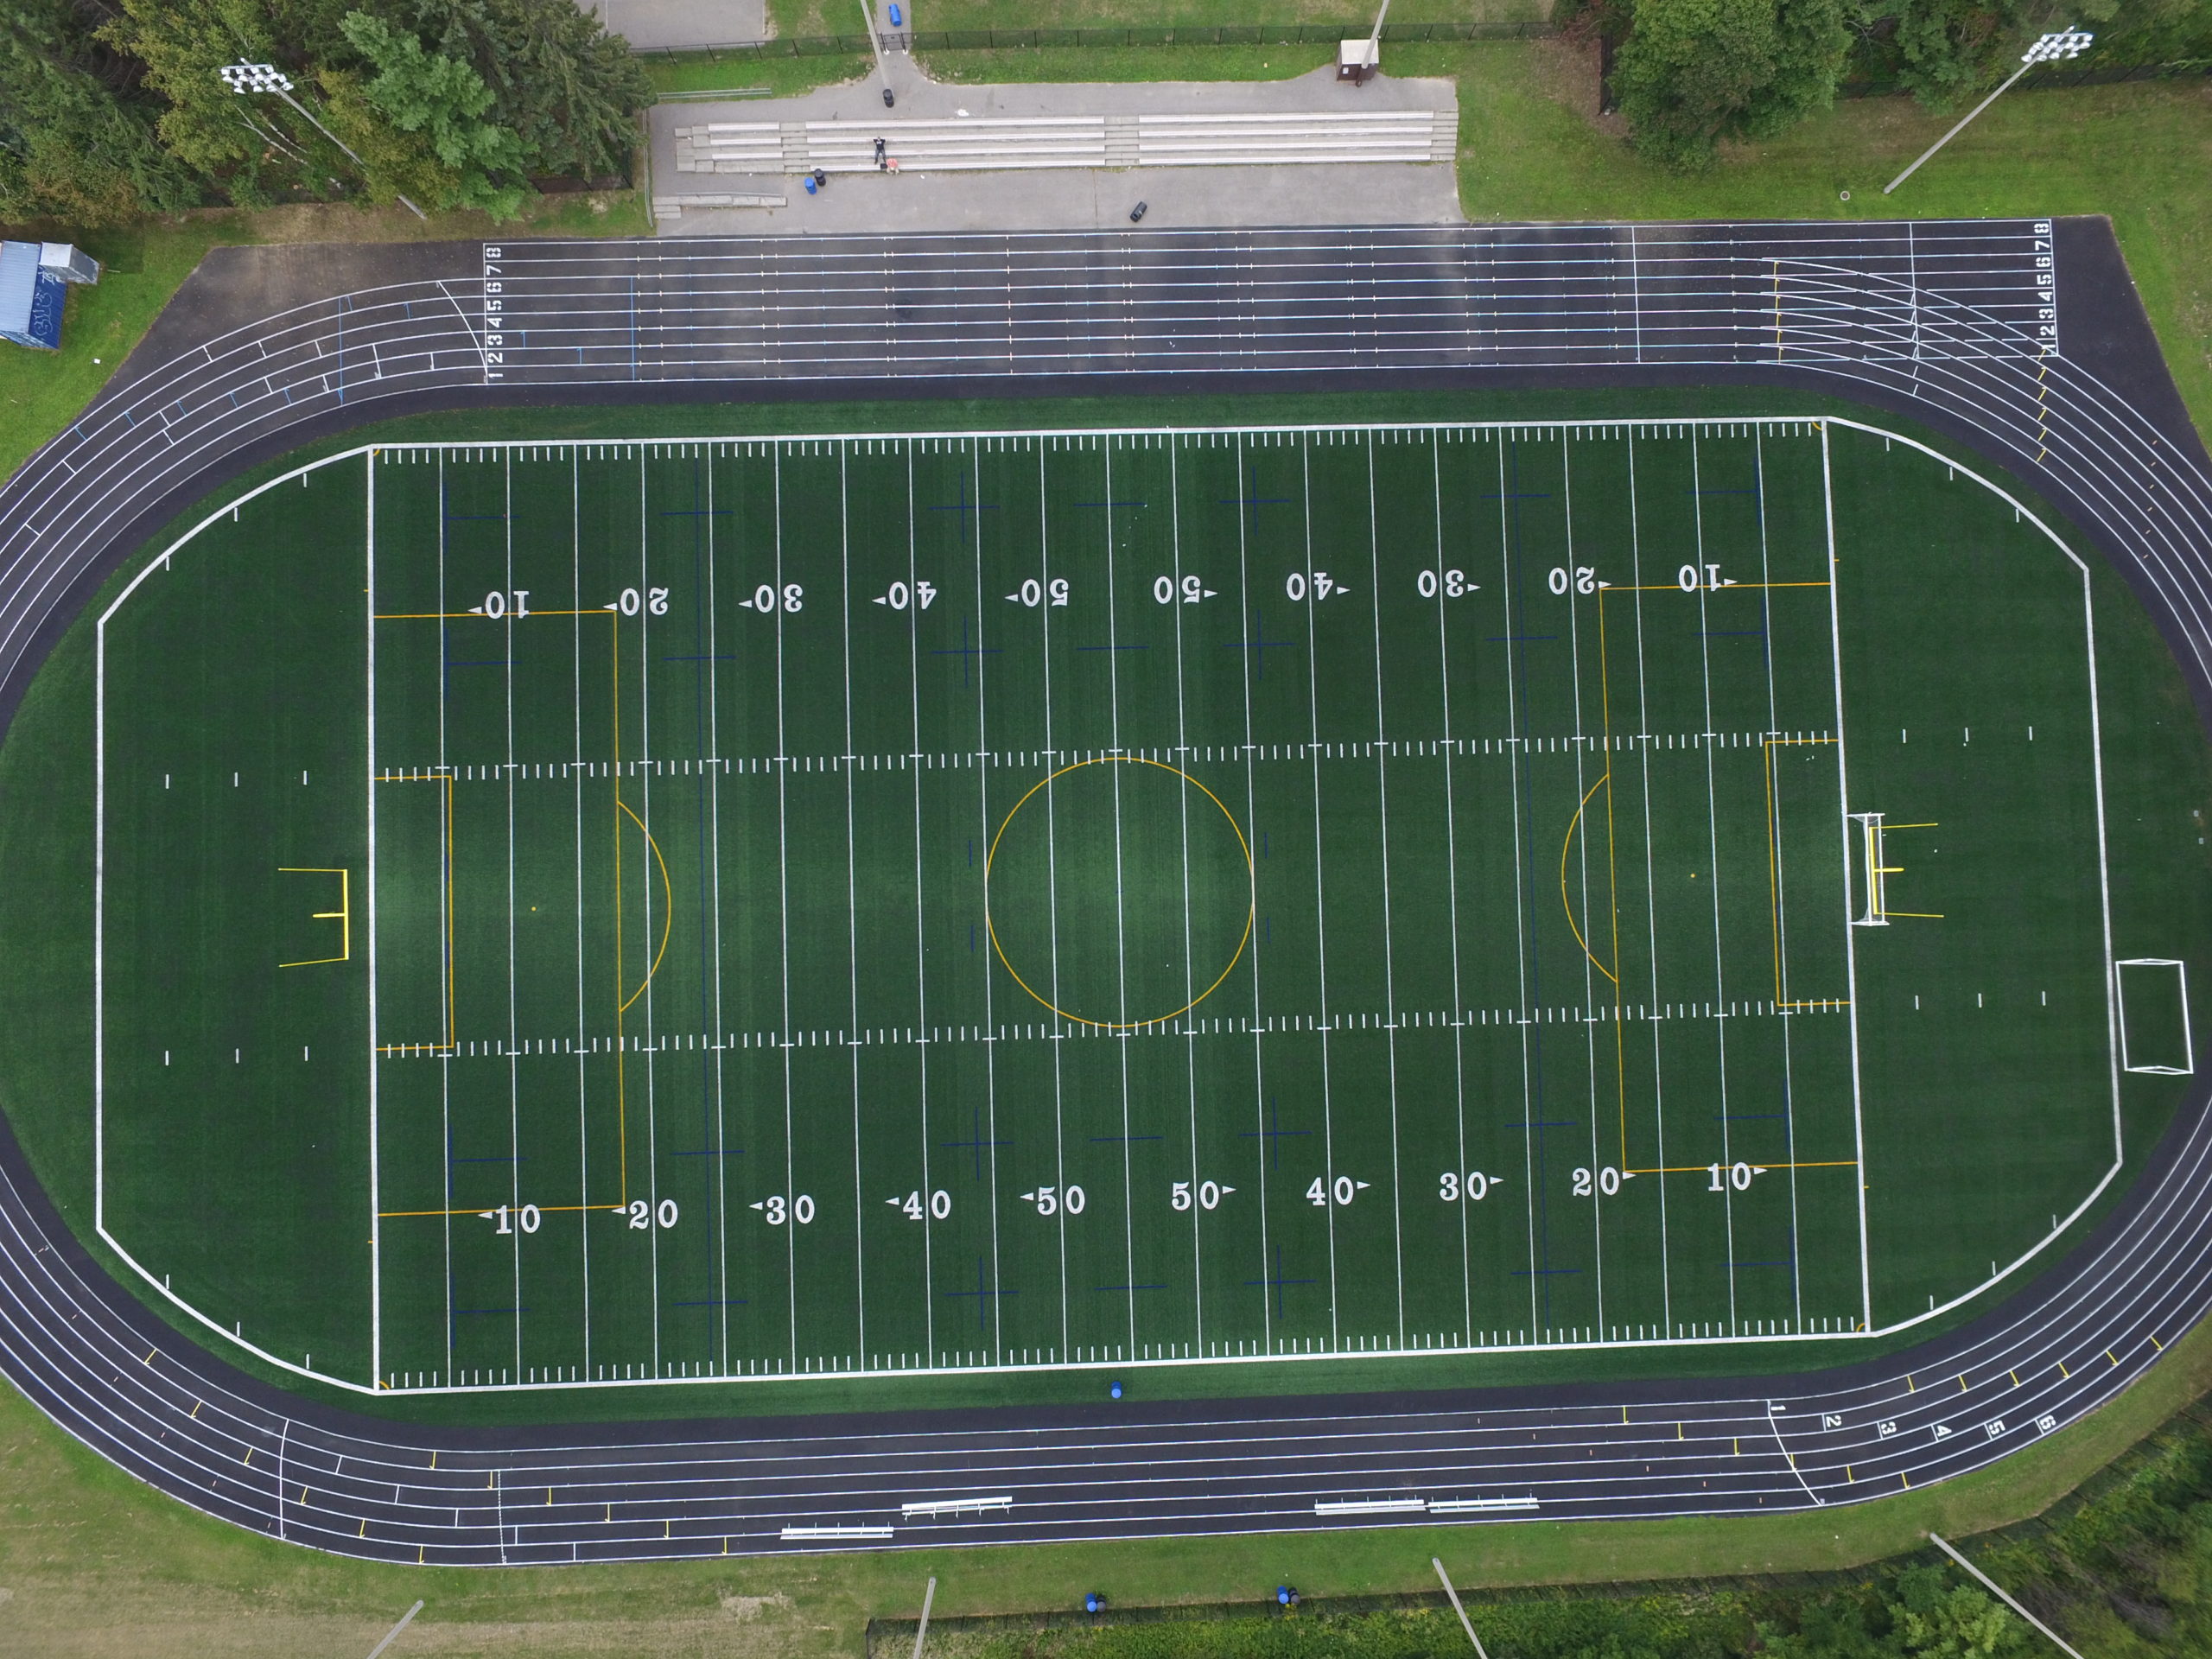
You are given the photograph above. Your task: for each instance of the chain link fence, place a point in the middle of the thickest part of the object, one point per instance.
(995, 40)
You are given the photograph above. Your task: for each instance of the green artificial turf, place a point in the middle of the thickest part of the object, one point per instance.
(229, 1075)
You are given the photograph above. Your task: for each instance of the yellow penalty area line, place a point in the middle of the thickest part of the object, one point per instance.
(547, 1209)
(1701, 1169)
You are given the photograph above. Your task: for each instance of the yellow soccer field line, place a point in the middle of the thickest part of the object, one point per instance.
(547, 1209)
(668, 903)
(1701, 1169)
(1564, 848)
(1251, 910)
(343, 915)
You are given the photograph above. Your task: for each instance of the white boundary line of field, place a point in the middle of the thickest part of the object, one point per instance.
(646, 448)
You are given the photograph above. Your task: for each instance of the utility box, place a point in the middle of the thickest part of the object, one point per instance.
(35, 277)
(1357, 61)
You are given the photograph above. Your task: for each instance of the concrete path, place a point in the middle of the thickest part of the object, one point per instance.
(680, 24)
(1402, 193)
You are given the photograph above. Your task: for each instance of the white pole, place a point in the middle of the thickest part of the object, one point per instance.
(1956, 130)
(930, 1594)
(2066, 43)
(1465, 1624)
(875, 41)
(1375, 41)
(1997, 1591)
(405, 1619)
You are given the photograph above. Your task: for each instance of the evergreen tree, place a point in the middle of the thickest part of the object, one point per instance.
(445, 100)
(570, 90)
(77, 140)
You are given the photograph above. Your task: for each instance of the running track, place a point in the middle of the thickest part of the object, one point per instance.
(1956, 323)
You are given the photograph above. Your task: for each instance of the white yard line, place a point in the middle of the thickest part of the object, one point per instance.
(1650, 890)
(514, 1024)
(584, 1079)
(446, 947)
(1452, 903)
(1586, 794)
(1320, 900)
(921, 938)
(852, 905)
(1713, 844)
(1510, 588)
(646, 998)
(1248, 619)
(713, 787)
(1850, 943)
(1190, 967)
(1052, 910)
(369, 881)
(1121, 906)
(1383, 839)
(783, 933)
(993, 1306)
(1768, 762)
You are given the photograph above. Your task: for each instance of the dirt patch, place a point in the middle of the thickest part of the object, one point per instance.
(745, 1608)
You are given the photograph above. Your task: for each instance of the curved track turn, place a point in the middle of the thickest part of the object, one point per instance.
(1947, 322)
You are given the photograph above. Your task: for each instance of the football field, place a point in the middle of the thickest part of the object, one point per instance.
(764, 907)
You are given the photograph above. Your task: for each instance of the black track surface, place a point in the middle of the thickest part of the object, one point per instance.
(1952, 323)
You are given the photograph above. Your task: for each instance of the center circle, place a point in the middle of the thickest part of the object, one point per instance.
(1118, 892)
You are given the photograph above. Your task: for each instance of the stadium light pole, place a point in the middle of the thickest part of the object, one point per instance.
(2068, 43)
(246, 79)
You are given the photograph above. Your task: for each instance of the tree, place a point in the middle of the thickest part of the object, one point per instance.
(1693, 72)
(77, 141)
(251, 147)
(445, 100)
(570, 90)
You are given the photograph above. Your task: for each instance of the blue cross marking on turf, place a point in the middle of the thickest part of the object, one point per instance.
(1260, 645)
(1252, 498)
(1277, 1281)
(976, 1142)
(965, 508)
(964, 651)
(1272, 1135)
(982, 1296)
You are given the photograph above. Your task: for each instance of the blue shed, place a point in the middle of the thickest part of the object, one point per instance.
(34, 278)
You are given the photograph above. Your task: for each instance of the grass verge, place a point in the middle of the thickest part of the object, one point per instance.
(98, 1565)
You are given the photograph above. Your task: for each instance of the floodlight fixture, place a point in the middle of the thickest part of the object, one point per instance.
(243, 77)
(2054, 47)
(247, 79)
